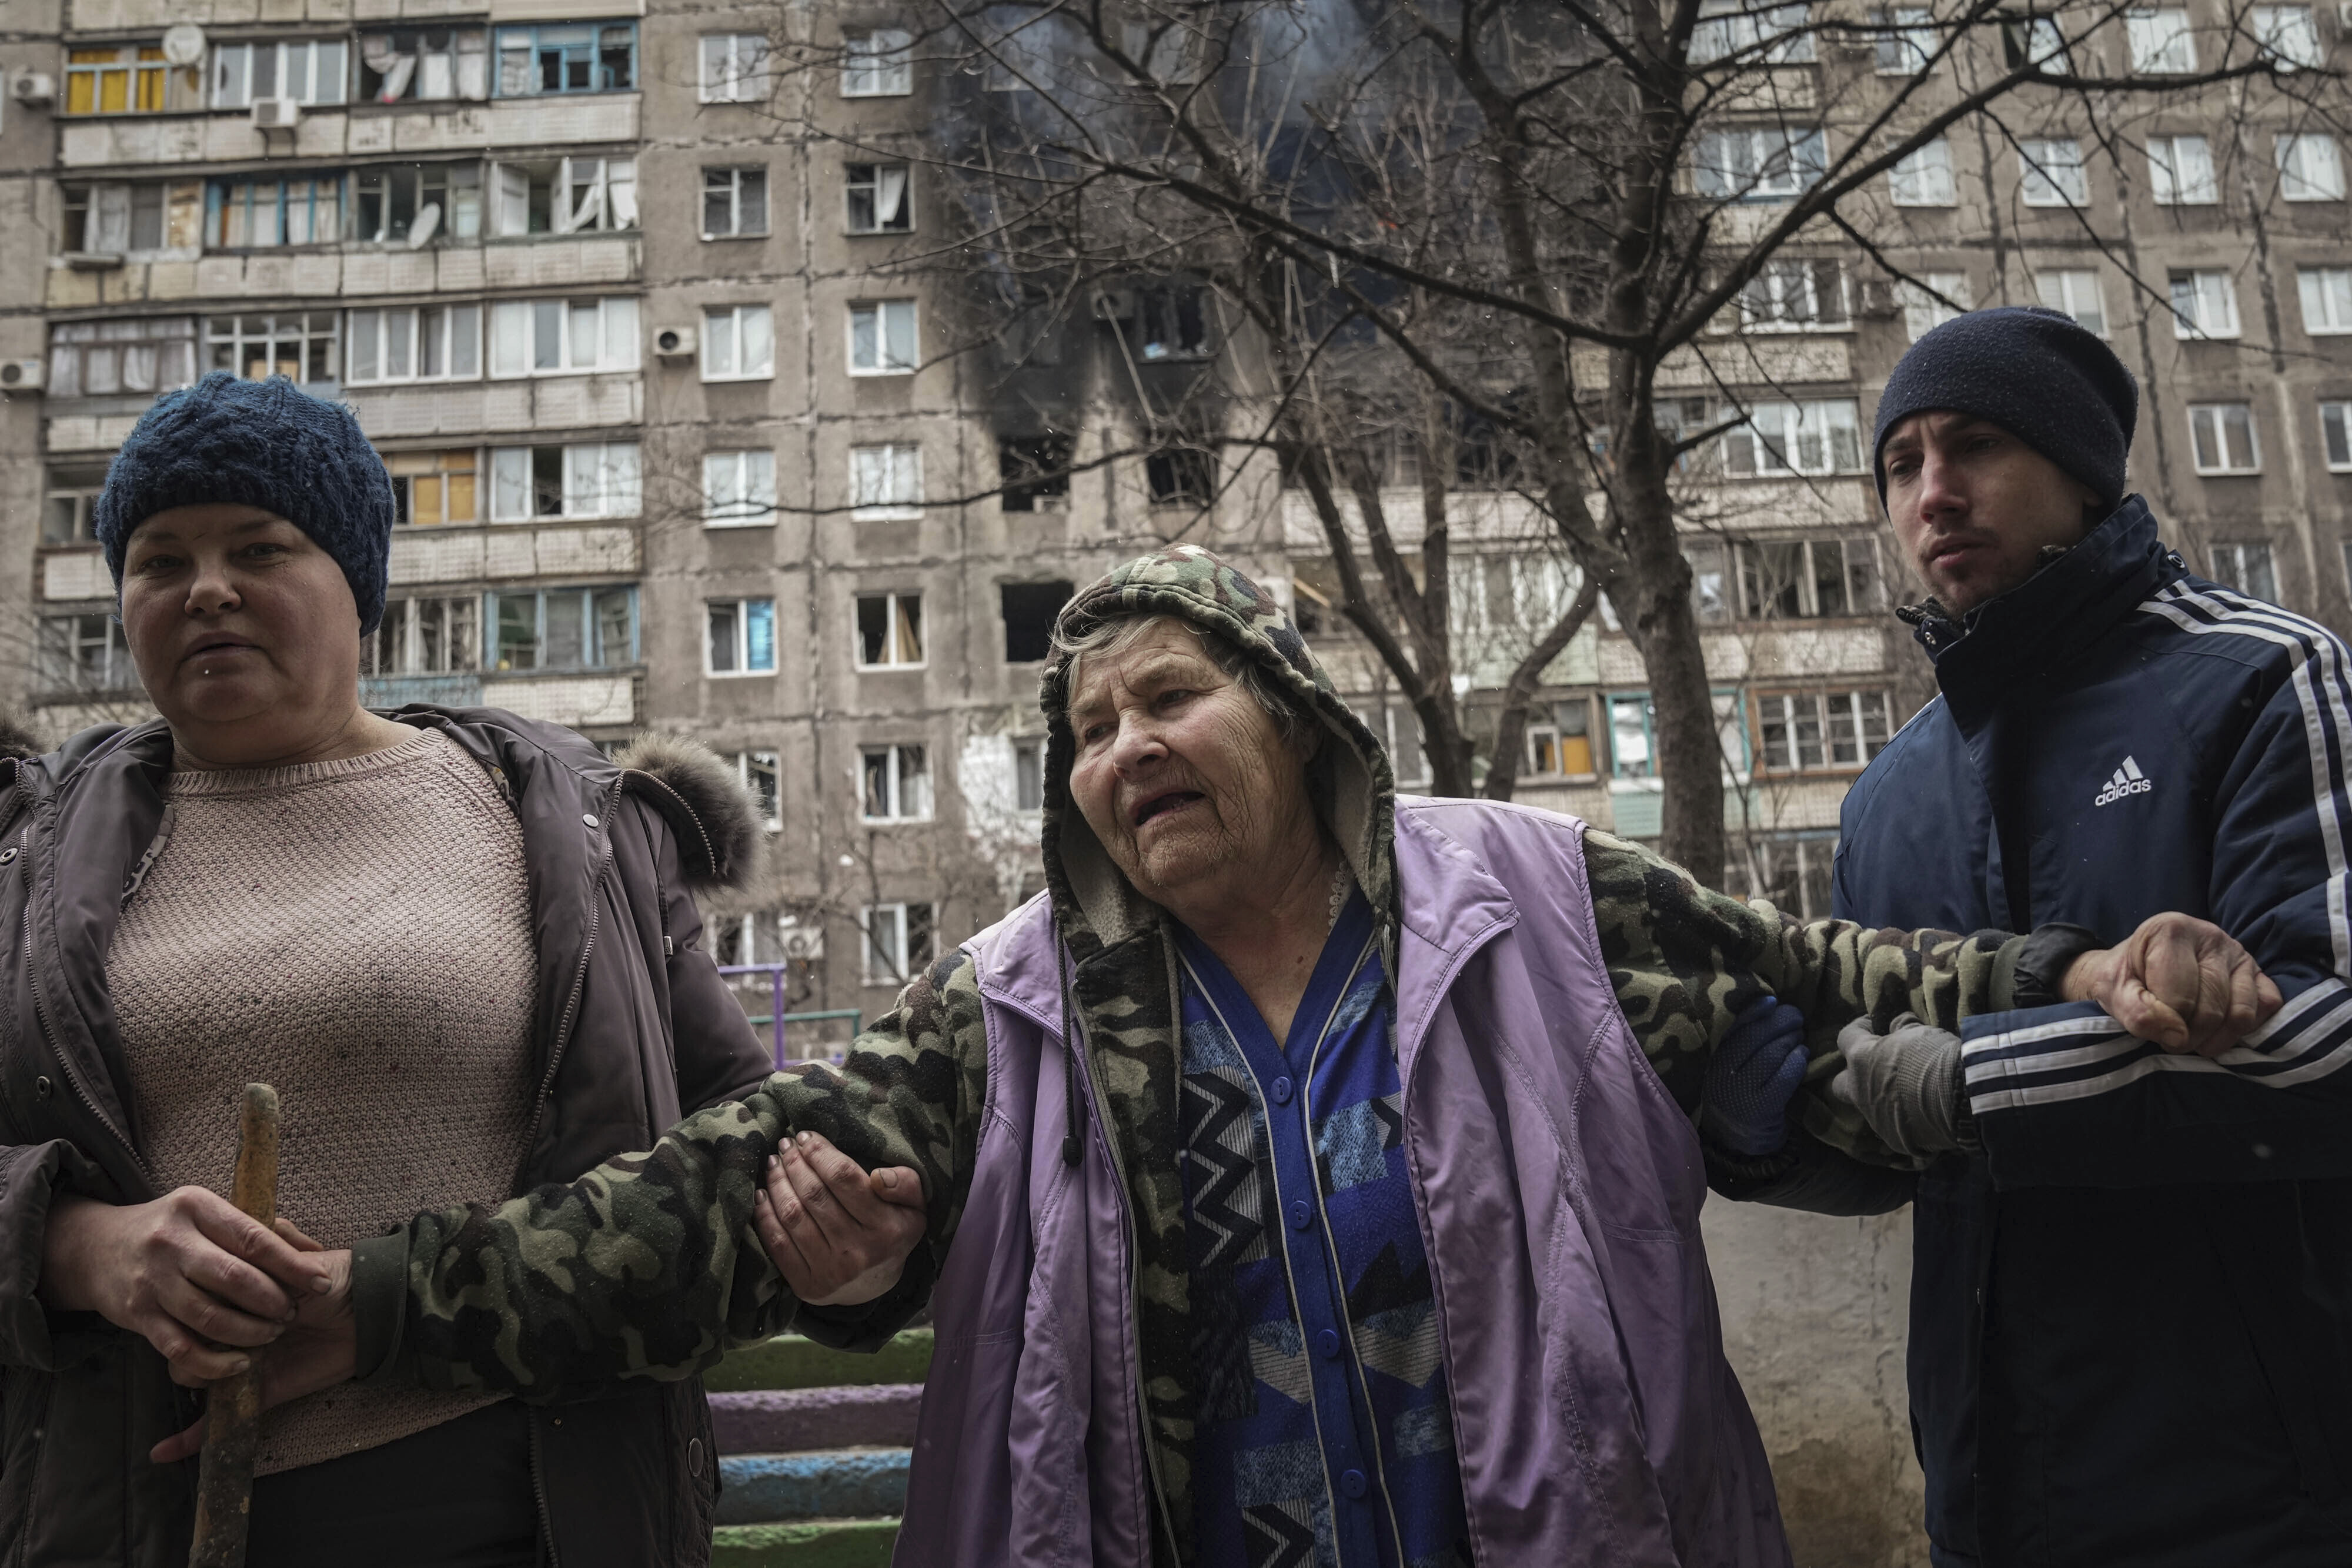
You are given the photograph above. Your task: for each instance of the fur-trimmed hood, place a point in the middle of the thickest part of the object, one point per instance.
(706, 805)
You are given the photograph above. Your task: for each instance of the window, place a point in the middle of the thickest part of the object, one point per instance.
(1793, 871)
(1029, 610)
(259, 214)
(1632, 721)
(1028, 775)
(898, 941)
(1760, 35)
(431, 489)
(739, 343)
(128, 78)
(427, 636)
(1819, 437)
(763, 780)
(876, 194)
(415, 343)
(1906, 39)
(2075, 292)
(734, 203)
(299, 345)
(739, 488)
(592, 480)
(743, 637)
(2204, 305)
(2160, 42)
(66, 501)
(425, 65)
(2248, 569)
(1807, 732)
(408, 203)
(1398, 729)
(1763, 163)
(2181, 172)
(1795, 579)
(2336, 434)
(1560, 739)
(2032, 40)
(2326, 299)
(2310, 168)
(1169, 321)
(1180, 476)
(2222, 437)
(563, 337)
(882, 337)
(735, 67)
(1794, 296)
(566, 195)
(1035, 471)
(2053, 172)
(564, 629)
(102, 359)
(886, 483)
(1923, 177)
(579, 56)
(309, 71)
(2284, 34)
(1923, 311)
(895, 784)
(112, 219)
(879, 64)
(85, 654)
(889, 631)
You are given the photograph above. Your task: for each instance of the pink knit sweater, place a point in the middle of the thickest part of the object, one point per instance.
(358, 934)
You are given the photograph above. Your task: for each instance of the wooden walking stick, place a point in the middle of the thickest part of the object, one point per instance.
(233, 1414)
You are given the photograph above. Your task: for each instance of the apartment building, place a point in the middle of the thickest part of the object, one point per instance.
(679, 445)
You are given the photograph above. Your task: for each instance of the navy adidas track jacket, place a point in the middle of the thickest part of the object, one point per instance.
(2131, 1317)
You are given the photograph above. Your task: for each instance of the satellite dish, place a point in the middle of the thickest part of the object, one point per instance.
(184, 43)
(428, 222)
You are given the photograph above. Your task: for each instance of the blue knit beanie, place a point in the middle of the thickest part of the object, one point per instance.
(259, 444)
(2036, 373)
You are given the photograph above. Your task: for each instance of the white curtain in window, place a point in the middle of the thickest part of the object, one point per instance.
(513, 200)
(890, 195)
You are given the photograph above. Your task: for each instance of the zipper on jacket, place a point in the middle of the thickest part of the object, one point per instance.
(572, 1003)
(65, 1062)
(538, 1496)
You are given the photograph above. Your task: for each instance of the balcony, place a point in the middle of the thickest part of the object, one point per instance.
(483, 408)
(575, 700)
(340, 131)
(326, 274)
(508, 550)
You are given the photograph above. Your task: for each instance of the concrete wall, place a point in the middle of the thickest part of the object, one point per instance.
(1813, 1315)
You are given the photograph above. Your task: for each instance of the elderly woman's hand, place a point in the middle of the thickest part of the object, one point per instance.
(190, 1271)
(839, 1236)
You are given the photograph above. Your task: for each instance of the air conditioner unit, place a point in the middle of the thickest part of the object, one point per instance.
(33, 88)
(21, 375)
(276, 114)
(675, 342)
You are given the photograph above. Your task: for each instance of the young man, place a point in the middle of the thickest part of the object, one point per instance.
(2129, 1333)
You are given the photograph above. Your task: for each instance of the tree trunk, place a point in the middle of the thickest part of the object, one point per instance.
(1518, 692)
(1655, 609)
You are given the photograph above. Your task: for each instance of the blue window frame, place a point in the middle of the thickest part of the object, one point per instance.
(241, 215)
(575, 56)
(561, 629)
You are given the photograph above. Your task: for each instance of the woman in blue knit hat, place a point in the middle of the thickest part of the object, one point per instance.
(463, 946)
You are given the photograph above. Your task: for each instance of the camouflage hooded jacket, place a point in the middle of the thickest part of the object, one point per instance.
(648, 1265)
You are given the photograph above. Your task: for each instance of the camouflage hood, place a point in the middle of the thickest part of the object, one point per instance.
(1349, 779)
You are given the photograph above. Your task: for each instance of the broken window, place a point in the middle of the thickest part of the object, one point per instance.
(739, 488)
(66, 502)
(1028, 775)
(301, 345)
(878, 64)
(1804, 731)
(1171, 321)
(308, 71)
(415, 343)
(259, 214)
(886, 483)
(431, 489)
(743, 637)
(1029, 612)
(566, 195)
(85, 654)
(565, 629)
(1180, 476)
(102, 359)
(877, 198)
(593, 479)
(409, 204)
(427, 636)
(578, 57)
(563, 337)
(898, 941)
(897, 784)
(889, 631)
(425, 65)
(1035, 471)
(735, 67)
(762, 775)
(734, 203)
(110, 219)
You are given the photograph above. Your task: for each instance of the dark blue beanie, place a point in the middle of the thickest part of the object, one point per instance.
(2036, 373)
(258, 444)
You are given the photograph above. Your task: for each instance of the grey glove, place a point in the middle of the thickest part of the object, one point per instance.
(1908, 1085)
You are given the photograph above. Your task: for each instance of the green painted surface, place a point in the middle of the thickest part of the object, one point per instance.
(809, 1543)
(788, 1361)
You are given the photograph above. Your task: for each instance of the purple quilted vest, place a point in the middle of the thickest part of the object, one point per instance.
(1558, 1190)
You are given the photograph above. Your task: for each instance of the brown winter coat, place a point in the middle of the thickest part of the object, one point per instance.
(633, 1026)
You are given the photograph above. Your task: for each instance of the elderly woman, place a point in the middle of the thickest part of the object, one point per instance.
(1311, 1176)
(463, 946)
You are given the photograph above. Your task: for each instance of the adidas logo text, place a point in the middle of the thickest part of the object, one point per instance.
(2128, 781)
